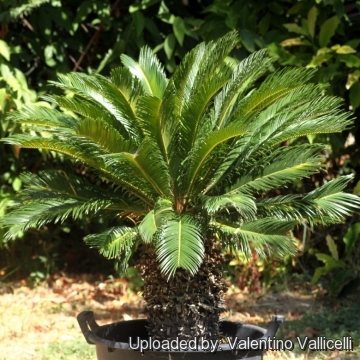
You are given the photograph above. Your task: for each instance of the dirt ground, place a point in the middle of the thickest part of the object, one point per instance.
(30, 319)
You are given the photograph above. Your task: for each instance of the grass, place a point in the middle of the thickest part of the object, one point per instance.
(67, 350)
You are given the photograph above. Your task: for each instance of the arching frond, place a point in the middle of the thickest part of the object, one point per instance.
(129, 85)
(92, 155)
(117, 242)
(104, 94)
(148, 70)
(287, 207)
(31, 115)
(273, 88)
(147, 113)
(201, 156)
(334, 205)
(104, 135)
(243, 204)
(244, 75)
(113, 241)
(180, 245)
(266, 236)
(148, 163)
(281, 167)
(55, 196)
(294, 115)
(212, 75)
(154, 219)
(86, 109)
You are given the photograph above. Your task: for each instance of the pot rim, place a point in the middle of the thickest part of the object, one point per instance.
(90, 329)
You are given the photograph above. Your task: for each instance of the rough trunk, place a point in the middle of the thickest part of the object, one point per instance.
(185, 307)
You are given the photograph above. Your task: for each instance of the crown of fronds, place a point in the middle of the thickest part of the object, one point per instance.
(188, 158)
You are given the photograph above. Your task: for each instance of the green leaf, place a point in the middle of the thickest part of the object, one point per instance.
(318, 60)
(350, 60)
(332, 247)
(352, 79)
(139, 21)
(355, 95)
(295, 42)
(264, 24)
(330, 262)
(3, 95)
(330, 265)
(350, 239)
(312, 15)
(16, 184)
(169, 45)
(4, 50)
(179, 29)
(295, 28)
(247, 39)
(144, 4)
(345, 49)
(180, 245)
(327, 30)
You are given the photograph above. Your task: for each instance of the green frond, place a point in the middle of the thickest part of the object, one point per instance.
(147, 113)
(330, 188)
(148, 163)
(266, 237)
(273, 88)
(244, 75)
(202, 155)
(56, 184)
(104, 135)
(103, 93)
(92, 155)
(86, 109)
(334, 205)
(129, 85)
(280, 122)
(194, 111)
(180, 245)
(31, 115)
(116, 242)
(282, 166)
(55, 196)
(243, 204)
(325, 205)
(287, 207)
(36, 215)
(148, 70)
(154, 219)
(195, 82)
(334, 208)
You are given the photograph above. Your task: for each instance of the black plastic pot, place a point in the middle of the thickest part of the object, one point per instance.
(112, 341)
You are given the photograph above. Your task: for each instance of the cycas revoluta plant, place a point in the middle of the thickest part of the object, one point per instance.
(186, 162)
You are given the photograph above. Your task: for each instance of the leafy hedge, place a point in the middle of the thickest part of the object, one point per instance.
(40, 39)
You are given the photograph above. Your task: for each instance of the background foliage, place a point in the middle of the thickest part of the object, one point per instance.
(40, 39)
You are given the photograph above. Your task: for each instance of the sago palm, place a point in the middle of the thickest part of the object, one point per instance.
(186, 162)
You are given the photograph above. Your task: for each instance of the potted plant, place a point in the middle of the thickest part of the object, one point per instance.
(189, 166)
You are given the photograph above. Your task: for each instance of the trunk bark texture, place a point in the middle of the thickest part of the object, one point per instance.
(185, 307)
